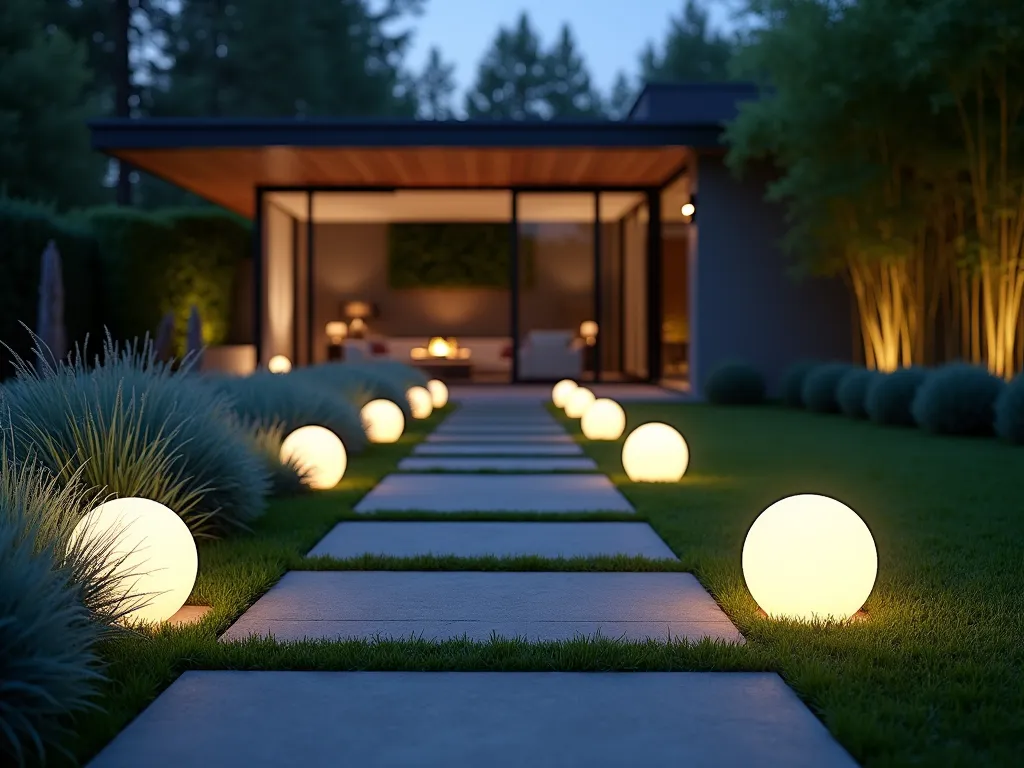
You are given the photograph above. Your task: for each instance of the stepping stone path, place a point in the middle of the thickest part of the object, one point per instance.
(471, 539)
(474, 462)
(495, 464)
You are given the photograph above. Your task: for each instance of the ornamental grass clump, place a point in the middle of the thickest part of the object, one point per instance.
(290, 401)
(287, 478)
(136, 428)
(359, 383)
(958, 399)
(852, 392)
(56, 602)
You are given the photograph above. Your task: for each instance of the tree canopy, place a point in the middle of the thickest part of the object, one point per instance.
(896, 129)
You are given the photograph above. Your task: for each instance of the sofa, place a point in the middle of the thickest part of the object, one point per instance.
(550, 354)
(488, 354)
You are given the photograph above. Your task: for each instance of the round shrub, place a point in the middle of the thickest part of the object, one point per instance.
(821, 385)
(48, 669)
(291, 401)
(793, 383)
(735, 384)
(957, 399)
(138, 429)
(852, 392)
(1009, 411)
(891, 395)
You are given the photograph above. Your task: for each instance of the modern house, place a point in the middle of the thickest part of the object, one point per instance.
(610, 250)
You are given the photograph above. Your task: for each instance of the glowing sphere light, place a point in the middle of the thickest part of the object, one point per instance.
(604, 420)
(319, 454)
(655, 453)
(383, 421)
(809, 557)
(149, 547)
(438, 393)
(578, 402)
(561, 391)
(420, 402)
(279, 364)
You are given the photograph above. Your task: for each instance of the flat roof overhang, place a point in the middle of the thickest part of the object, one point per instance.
(225, 160)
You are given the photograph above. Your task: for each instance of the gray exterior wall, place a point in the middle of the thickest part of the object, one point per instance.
(744, 304)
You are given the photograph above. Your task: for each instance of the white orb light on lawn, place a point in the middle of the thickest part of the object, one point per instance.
(604, 420)
(279, 364)
(150, 553)
(809, 557)
(561, 391)
(383, 421)
(655, 453)
(578, 402)
(420, 402)
(319, 454)
(438, 393)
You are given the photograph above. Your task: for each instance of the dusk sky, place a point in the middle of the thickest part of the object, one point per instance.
(611, 33)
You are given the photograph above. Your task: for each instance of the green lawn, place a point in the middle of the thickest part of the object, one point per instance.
(934, 676)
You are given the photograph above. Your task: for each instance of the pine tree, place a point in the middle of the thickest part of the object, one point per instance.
(435, 87)
(569, 91)
(44, 107)
(512, 80)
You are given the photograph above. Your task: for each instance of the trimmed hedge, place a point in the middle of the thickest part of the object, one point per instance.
(852, 392)
(25, 229)
(163, 262)
(958, 399)
(454, 255)
(1009, 411)
(735, 384)
(891, 395)
(793, 382)
(820, 385)
(123, 270)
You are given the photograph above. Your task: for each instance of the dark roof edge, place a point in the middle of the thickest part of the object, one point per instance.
(738, 86)
(112, 134)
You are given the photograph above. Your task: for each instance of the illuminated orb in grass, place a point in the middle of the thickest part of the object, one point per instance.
(150, 552)
(655, 453)
(420, 402)
(279, 364)
(318, 453)
(438, 393)
(561, 391)
(604, 420)
(578, 402)
(383, 421)
(809, 557)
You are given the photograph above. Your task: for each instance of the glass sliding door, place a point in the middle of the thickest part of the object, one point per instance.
(280, 275)
(675, 288)
(557, 329)
(634, 293)
(614, 209)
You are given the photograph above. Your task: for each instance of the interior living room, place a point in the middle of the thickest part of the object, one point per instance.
(479, 285)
